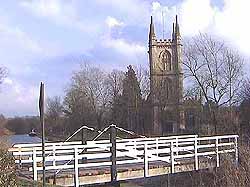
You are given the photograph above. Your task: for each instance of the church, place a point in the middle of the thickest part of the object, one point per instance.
(165, 111)
(166, 82)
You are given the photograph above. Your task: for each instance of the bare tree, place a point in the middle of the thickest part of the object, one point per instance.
(114, 82)
(76, 108)
(54, 107)
(90, 86)
(54, 114)
(213, 69)
(142, 74)
(245, 91)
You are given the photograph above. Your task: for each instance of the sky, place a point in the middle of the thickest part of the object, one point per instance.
(47, 40)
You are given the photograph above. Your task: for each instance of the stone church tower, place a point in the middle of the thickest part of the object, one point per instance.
(166, 81)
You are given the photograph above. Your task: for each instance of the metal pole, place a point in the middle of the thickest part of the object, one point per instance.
(41, 108)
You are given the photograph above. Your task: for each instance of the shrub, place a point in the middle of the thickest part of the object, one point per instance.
(230, 174)
(7, 167)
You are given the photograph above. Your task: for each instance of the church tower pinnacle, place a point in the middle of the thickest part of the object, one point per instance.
(173, 33)
(177, 29)
(151, 31)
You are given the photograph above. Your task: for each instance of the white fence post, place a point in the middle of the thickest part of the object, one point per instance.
(157, 145)
(196, 161)
(54, 155)
(34, 165)
(217, 152)
(172, 156)
(236, 150)
(76, 168)
(134, 142)
(177, 148)
(20, 157)
(145, 160)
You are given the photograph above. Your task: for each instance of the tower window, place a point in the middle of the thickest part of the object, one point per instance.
(165, 90)
(166, 60)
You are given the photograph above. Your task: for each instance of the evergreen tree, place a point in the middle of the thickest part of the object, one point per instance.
(131, 101)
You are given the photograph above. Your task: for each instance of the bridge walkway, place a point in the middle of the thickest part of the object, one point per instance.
(101, 161)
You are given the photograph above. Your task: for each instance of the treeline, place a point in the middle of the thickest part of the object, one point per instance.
(98, 98)
(23, 125)
(95, 98)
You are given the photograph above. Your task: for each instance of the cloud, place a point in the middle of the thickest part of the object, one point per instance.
(228, 22)
(123, 47)
(51, 9)
(21, 52)
(133, 12)
(196, 16)
(17, 99)
(113, 22)
(64, 13)
(7, 81)
(15, 37)
(112, 40)
(160, 12)
(18, 49)
(232, 23)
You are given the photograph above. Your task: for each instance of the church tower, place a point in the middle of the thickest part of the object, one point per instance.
(166, 81)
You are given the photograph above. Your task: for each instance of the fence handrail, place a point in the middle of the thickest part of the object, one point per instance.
(171, 150)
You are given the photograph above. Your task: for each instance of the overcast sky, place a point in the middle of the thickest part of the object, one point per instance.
(44, 40)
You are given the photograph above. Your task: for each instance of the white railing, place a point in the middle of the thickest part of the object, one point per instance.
(170, 150)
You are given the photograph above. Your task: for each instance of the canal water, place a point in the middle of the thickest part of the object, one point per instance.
(20, 138)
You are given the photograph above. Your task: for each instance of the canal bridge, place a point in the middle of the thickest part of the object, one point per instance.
(78, 163)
